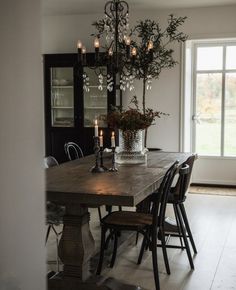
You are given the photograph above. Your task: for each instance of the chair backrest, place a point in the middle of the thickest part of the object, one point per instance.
(161, 196)
(50, 161)
(183, 181)
(73, 151)
(184, 178)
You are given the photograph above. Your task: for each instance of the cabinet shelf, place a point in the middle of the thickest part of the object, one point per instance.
(95, 97)
(95, 108)
(62, 87)
(63, 125)
(59, 107)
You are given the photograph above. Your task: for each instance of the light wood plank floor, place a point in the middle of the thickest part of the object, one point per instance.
(213, 223)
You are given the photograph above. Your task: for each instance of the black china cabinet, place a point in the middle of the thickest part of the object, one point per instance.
(74, 99)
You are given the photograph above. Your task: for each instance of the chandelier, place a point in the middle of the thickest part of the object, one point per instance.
(114, 48)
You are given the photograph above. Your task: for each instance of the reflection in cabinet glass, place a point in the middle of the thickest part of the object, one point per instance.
(62, 97)
(95, 99)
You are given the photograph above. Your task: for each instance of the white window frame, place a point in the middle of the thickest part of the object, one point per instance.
(188, 106)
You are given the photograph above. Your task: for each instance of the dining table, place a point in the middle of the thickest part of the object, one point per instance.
(73, 185)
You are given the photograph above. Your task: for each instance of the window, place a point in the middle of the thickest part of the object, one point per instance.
(212, 89)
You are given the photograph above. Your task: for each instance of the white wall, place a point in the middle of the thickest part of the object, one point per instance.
(22, 230)
(60, 34)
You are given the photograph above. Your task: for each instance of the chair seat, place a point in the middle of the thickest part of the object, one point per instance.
(127, 219)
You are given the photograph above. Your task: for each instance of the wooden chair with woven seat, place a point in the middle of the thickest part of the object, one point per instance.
(144, 223)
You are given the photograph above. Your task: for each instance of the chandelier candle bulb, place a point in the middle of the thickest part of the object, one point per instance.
(127, 42)
(83, 50)
(96, 128)
(113, 143)
(134, 54)
(79, 47)
(84, 55)
(150, 49)
(150, 45)
(110, 54)
(101, 138)
(96, 45)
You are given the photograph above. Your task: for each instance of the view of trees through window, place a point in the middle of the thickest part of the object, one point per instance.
(215, 99)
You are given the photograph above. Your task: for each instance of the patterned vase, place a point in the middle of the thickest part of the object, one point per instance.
(130, 150)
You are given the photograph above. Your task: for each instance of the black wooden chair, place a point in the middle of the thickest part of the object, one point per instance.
(147, 224)
(54, 213)
(177, 197)
(180, 228)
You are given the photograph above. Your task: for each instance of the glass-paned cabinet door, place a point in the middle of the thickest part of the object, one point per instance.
(62, 97)
(95, 97)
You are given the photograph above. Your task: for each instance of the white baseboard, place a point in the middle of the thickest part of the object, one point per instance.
(220, 182)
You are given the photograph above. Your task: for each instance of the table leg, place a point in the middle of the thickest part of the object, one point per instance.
(75, 250)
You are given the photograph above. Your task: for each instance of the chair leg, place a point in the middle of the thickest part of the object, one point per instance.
(57, 243)
(136, 240)
(58, 263)
(184, 215)
(47, 234)
(165, 256)
(109, 208)
(154, 257)
(142, 249)
(177, 222)
(99, 213)
(185, 238)
(110, 237)
(114, 250)
(102, 248)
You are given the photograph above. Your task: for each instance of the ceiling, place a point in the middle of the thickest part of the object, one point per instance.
(63, 7)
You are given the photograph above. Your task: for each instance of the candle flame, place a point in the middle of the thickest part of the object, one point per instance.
(96, 122)
(113, 134)
(101, 133)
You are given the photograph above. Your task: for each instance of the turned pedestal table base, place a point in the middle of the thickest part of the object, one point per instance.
(75, 251)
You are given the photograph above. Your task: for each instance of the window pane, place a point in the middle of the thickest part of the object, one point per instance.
(231, 57)
(210, 58)
(230, 115)
(208, 109)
